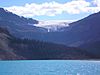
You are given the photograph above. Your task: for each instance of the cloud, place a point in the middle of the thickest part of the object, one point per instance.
(97, 2)
(54, 8)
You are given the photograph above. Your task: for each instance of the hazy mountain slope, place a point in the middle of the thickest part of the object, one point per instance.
(92, 47)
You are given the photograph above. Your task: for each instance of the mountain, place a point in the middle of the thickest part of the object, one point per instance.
(21, 39)
(92, 47)
(12, 48)
(76, 34)
(18, 24)
(84, 30)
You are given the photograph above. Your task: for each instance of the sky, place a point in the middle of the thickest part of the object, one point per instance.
(52, 9)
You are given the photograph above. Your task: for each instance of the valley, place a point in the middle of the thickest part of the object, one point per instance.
(27, 38)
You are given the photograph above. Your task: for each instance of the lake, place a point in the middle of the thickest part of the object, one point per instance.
(50, 67)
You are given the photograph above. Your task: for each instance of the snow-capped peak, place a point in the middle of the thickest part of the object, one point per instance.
(53, 25)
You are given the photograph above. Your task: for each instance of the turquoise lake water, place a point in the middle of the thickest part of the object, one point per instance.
(50, 67)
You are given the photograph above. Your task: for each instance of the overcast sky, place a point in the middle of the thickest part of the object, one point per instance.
(52, 9)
